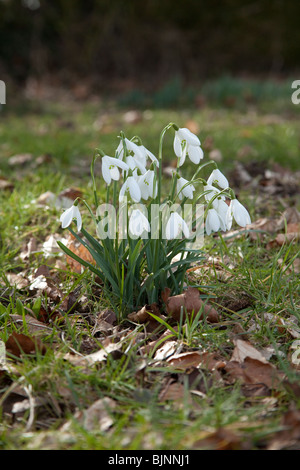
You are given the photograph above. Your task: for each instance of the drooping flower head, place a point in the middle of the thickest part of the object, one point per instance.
(110, 168)
(70, 214)
(175, 225)
(138, 223)
(217, 177)
(187, 143)
(239, 213)
(184, 188)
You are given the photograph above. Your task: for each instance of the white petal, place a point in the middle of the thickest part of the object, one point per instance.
(218, 177)
(229, 219)
(177, 145)
(212, 192)
(138, 223)
(188, 136)
(77, 216)
(171, 228)
(240, 213)
(185, 229)
(212, 223)
(151, 156)
(105, 171)
(114, 173)
(195, 153)
(134, 189)
(183, 156)
(67, 217)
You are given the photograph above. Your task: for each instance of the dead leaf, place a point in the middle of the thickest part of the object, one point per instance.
(143, 315)
(18, 344)
(289, 436)
(253, 371)
(19, 281)
(203, 360)
(244, 349)
(20, 159)
(30, 248)
(167, 349)
(78, 249)
(249, 366)
(33, 325)
(98, 417)
(221, 439)
(173, 391)
(5, 184)
(188, 303)
(104, 322)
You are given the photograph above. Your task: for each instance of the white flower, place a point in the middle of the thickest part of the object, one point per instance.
(147, 184)
(218, 178)
(134, 164)
(183, 190)
(138, 223)
(70, 214)
(212, 191)
(138, 153)
(239, 213)
(149, 154)
(131, 186)
(110, 168)
(222, 209)
(213, 222)
(176, 225)
(185, 142)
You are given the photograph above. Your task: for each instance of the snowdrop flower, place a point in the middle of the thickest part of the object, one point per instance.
(185, 142)
(138, 153)
(149, 154)
(138, 223)
(214, 221)
(239, 213)
(134, 164)
(183, 190)
(70, 214)
(218, 178)
(175, 225)
(213, 191)
(131, 186)
(110, 168)
(148, 185)
(222, 209)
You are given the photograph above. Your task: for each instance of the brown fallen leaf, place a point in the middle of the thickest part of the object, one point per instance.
(33, 325)
(104, 322)
(205, 360)
(221, 439)
(289, 437)
(6, 184)
(188, 303)
(18, 344)
(249, 366)
(18, 280)
(78, 249)
(245, 349)
(98, 417)
(172, 391)
(144, 314)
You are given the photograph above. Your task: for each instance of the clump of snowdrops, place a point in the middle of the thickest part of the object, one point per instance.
(147, 236)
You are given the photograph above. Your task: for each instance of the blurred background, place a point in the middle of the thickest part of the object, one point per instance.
(187, 50)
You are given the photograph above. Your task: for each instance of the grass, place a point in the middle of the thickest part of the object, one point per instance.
(251, 289)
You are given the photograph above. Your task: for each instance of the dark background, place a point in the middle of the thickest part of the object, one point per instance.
(124, 43)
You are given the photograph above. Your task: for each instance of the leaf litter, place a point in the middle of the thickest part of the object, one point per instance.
(189, 372)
